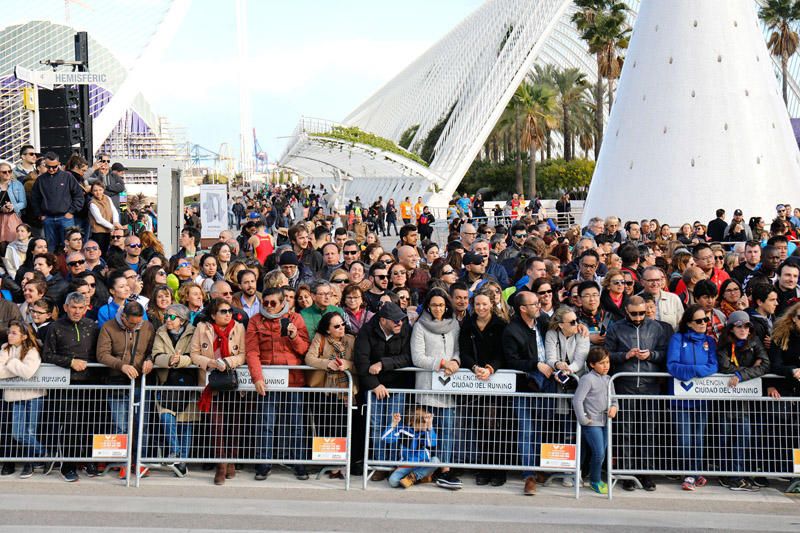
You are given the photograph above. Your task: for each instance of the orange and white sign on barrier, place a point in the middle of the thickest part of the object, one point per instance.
(329, 449)
(796, 460)
(112, 446)
(558, 455)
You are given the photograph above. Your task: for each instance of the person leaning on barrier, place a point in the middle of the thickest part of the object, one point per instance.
(691, 354)
(481, 333)
(383, 346)
(331, 353)
(434, 346)
(278, 336)
(71, 343)
(176, 409)
(523, 349)
(741, 355)
(565, 346)
(637, 344)
(219, 345)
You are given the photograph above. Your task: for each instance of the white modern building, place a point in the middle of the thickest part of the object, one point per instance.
(123, 122)
(462, 84)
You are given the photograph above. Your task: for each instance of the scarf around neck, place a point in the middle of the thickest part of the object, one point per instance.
(221, 338)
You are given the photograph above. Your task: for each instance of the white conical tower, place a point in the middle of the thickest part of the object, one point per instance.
(698, 122)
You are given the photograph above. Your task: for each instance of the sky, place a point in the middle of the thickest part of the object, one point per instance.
(314, 58)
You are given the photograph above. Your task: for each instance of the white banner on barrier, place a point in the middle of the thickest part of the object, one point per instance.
(717, 386)
(213, 210)
(274, 378)
(46, 376)
(466, 381)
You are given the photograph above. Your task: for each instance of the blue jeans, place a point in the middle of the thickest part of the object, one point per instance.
(179, 435)
(691, 427)
(443, 418)
(737, 437)
(118, 405)
(597, 439)
(530, 432)
(25, 425)
(54, 231)
(290, 406)
(419, 471)
(380, 419)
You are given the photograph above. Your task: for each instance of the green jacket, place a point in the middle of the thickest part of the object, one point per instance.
(312, 315)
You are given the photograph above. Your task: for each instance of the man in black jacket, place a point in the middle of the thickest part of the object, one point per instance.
(523, 349)
(716, 228)
(383, 345)
(55, 198)
(637, 344)
(70, 343)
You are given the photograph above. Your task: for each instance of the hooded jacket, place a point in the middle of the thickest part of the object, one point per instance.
(118, 346)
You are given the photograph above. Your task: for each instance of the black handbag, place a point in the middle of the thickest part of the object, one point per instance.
(223, 380)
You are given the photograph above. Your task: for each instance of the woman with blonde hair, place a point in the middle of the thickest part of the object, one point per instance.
(495, 292)
(150, 245)
(192, 296)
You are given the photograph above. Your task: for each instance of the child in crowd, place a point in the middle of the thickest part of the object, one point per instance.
(19, 358)
(416, 438)
(591, 408)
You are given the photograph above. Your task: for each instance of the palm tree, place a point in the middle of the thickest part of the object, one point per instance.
(603, 25)
(570, 84)
(779, 15)
(537, 105)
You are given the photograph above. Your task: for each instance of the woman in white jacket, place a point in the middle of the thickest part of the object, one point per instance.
(434, 346)
(20, 358)
(566, 349)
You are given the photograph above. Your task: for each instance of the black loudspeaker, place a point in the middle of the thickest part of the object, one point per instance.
(61, 127)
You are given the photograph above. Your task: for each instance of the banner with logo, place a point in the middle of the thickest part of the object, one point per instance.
(558, 455)
(466, 381)
(717, 386)
(109, 446)
(329, 449)
(47, 376)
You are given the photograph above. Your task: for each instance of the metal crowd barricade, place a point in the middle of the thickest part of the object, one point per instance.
(77, 423)
(489, 429)
(288, 426)
(713, 434)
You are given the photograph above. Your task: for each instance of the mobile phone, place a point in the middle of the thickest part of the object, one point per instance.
(284, 327)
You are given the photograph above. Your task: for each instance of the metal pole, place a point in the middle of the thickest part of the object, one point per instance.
(131, 407)
(349, 429)
(140, 438)
(366, 440)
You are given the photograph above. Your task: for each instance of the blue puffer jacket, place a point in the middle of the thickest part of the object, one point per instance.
(691, 355)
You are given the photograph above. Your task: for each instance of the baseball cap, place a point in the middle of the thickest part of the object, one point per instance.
(116, 167)
(391, 311)
(737, 213)
(471, 258)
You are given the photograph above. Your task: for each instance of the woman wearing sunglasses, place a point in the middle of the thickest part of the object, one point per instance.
(103, 216)
(218, 344)
(176, 409)
(331, 352)
(613, 297)
(691, 354)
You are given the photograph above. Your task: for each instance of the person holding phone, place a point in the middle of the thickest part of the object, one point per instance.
(12, 202)
(278, 336)
(637, 344)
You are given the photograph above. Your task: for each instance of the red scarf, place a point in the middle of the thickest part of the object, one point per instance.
(220, 343)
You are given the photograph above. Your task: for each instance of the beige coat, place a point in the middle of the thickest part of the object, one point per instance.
(202, 347)
(11, 367)
(163, 350)
(320, 359)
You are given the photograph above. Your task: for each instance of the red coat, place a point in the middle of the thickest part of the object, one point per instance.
(265, 346)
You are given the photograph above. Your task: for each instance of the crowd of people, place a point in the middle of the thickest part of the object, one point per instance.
(86, 282)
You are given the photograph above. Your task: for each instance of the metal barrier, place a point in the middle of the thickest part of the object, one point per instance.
(483, 428)
(716, 432)
(289, 425)
(68, 423)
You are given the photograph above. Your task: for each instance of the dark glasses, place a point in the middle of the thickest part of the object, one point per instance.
(76, 263)
(700, 321)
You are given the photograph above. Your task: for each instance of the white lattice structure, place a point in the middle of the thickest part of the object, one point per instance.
(125, 52)
(698, 122)
(467, 72)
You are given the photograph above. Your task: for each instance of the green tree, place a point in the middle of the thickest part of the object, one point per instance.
(570, 84)
(603, 25)
(536, 103)
(779, 15)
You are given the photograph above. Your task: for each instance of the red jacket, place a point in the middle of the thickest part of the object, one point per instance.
(265, 346)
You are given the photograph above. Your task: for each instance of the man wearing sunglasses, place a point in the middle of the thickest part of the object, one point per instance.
(379, 276)
(55, 198)
(133, 254)
(637, 344)
(27, 163)
(112, 178)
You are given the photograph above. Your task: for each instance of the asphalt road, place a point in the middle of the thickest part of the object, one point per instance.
(165, 504)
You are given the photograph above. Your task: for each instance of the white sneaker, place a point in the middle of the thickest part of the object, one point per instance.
(567, 482)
